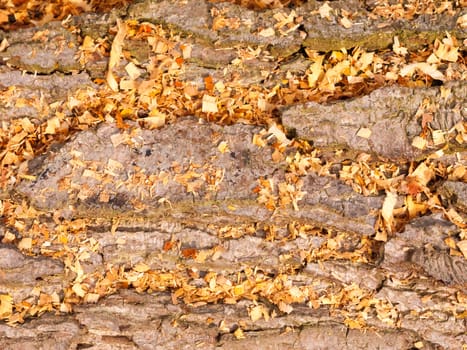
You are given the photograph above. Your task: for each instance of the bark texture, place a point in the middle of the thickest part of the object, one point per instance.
(176, 202)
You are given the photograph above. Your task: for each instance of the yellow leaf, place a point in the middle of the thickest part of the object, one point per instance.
(141, 267)
(387, 211)
(239, 333)
(238, 290)
(419, 142)
(446, 50)
(9, 158)
(426, 68)
(223, 147)
(325, 11)
(6, 305)
(25, 243)
(78, 289)
(462, 245)
(268, 32)
(256, 313)
(364, 133)
(419, 345)
(115, 53)
(287, 308)
(316, 70)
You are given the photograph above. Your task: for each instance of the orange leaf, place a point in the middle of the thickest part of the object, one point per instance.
(413, 187)
(209, 84)
(189, 253)
(179, 61)
(168, 245)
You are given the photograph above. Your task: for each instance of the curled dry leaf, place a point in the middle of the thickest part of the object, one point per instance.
(115, 53)
(398, 49)
(425, 68)
(387, 211)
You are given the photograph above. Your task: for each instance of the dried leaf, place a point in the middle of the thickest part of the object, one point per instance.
(6, 305)
(239, 333)
(325, 11)
(364, 133)
(154, 121)
(115, 53)
(279, 134)
(345, 22)
(53, 125)
(141, 267)
(25, 243)
(397, 48)
(419, 142)
(91, 298)
(223, 147)
(208, 83)
(133, 71)
(387, 211)
(438, 137)
(316, 71)
(287, 308)
(79, 290)
(462, 21)
(209, 104)
(423, 174)
(189, 253)
(4, 45)
(447, 50)
(268, 32)
(256, 313)
(426, 68)
(462, 245)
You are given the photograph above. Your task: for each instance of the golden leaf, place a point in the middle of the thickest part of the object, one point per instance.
(223, 147)
(25, 243)
(388, 209)
(115, 53)
(423, 174)
(364, 133)
(419, 142)
(397, 48)
(6, 305)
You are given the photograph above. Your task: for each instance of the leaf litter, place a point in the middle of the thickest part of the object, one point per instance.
(155, 94)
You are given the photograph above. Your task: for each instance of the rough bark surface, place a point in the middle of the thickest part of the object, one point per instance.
(137, 189)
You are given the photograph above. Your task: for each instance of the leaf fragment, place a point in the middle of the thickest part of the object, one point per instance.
(209, 104)
(6, 305)
(116, 53)
(364, 133)
(419, 142)
(397, 48)
(462, 245)
(387, 211)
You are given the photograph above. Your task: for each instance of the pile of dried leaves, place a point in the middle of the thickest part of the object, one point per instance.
(155, 93)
